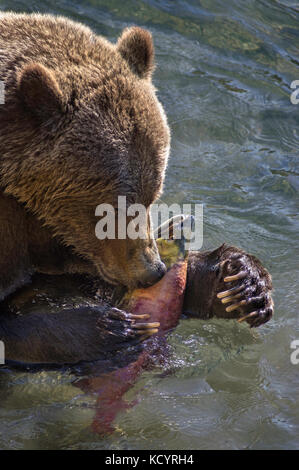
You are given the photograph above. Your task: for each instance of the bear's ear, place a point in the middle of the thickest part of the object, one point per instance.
(40, 92)
(136, 47)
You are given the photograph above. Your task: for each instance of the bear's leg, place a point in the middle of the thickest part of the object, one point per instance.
(72, 335)
(15, 266)
(228, 283)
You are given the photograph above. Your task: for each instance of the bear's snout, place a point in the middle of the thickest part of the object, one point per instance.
(152, 274)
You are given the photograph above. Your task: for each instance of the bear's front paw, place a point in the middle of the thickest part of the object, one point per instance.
(245, 288)
(126, 327)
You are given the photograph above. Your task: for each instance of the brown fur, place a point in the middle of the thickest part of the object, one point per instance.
(81, 124)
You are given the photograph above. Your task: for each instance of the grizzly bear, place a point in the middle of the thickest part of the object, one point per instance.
(80, 126)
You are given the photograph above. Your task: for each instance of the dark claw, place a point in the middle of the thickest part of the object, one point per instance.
(264, 315)
(124, 329)
(237, 305)
(235, 277)
(145, 326)
(132, 316)
(232, 291)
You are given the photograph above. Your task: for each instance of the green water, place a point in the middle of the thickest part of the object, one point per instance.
(224, 70)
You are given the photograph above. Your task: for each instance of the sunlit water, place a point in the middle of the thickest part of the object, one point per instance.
(223, 75)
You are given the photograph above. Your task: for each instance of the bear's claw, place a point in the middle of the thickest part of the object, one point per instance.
(145, 330)
(125, 328)
(252, 299)
(227, 293)
(144, 316)
(235, 306)
(250, 315)
(141, 330)
(145, 326)
(240, 275)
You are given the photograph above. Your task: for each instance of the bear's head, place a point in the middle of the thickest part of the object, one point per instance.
(94, 130)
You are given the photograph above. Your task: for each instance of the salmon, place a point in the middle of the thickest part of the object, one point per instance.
(163, 302)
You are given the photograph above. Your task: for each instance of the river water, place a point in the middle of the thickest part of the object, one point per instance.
(224, 71)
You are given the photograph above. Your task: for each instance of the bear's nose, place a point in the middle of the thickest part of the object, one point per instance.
(153, 274)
